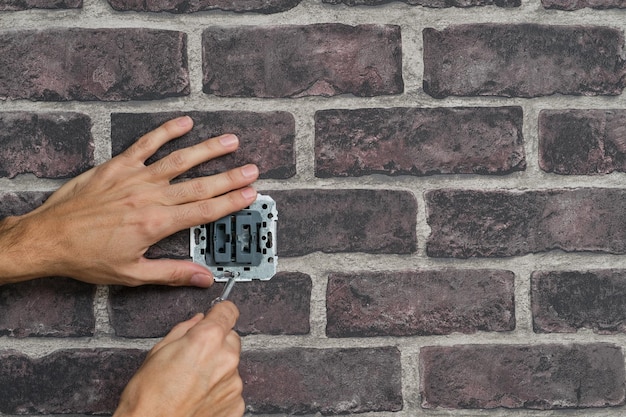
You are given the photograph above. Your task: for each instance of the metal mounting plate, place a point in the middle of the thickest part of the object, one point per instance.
(240, 245)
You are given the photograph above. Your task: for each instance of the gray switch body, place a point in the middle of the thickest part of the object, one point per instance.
(242, 244)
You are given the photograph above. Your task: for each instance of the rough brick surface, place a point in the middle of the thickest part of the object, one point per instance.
(58, 307)
(190, 6)
(581, 4)
(526, 60)
(419, 302)
(93, 64)
(297, 61)
(431, 3)
(469, 223)
(87, 381)
(535, 377)
(278, 306)
(565, 301)
(266, 139)
(16, 203)
(14, 5)
(174, 246)
(327, 381)
(52, 145)
(372, 221)
(418, 141)
(582, 142)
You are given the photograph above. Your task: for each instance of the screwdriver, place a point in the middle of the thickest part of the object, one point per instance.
(226, 292)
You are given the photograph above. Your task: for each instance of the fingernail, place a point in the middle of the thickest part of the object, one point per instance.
(184, 121)
(250, 171)
(248, 193)
(201, 280)
(228, 140)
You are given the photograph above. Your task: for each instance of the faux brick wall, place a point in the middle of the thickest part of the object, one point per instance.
(449, 178)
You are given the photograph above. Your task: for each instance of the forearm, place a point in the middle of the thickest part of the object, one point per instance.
(20, 252)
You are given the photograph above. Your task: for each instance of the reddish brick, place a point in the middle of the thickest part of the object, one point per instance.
(565, 301)
(93, 64)
(58, 307)
(419, 302)
(326, 381)
(189, 6)
(75, 381)
(535, 377)
(51, 145)
(582, 142)
(175, 246)
(526, 60)
(297, 61)
(278, 306)
(469, 223)
(266, 139)
(13, 5)
(372, 221)
(431, 3)
(17, 203)
(418, 141)
(581, 4)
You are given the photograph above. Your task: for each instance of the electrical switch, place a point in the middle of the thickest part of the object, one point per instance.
(240, 245)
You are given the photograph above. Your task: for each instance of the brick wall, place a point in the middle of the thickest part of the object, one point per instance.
(452, 231)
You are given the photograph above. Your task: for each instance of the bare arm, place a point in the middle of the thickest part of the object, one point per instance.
(98, 226)
(192, 372)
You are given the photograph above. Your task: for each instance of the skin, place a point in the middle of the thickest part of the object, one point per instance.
(99, 225)
(192, 372)
(97, 228)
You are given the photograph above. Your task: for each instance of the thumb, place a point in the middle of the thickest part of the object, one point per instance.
(176, 333)
(174, 273)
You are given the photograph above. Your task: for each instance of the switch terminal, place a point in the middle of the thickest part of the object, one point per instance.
(240, 245)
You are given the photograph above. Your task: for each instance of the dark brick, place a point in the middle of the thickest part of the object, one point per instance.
(279, 306)
(175, 246)
(87, 381)
(565, 301)
(526, 60)
(581, 4)
(372, 221)
(13, 5)
(190, 6)
(534, 377)
(266, 139)
(50, 145)
(327, 381)
(58, 307)
(582, 142)
(418, 141)
(431, 3)
(17, 203)
(421, 303)
(298, 61)
(93, 64)
(470, 223)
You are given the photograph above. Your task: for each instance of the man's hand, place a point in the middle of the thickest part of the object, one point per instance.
(98, 226)
(192, 372)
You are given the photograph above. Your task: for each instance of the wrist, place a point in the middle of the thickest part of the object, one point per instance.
(19, 251)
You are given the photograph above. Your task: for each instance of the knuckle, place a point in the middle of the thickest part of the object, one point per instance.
(140, 149)
(207, 210)
(176, 278)
(232, 176)
(198, 188)
(158, 168)
(177, 159)
(237, 386)
(210, 330)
